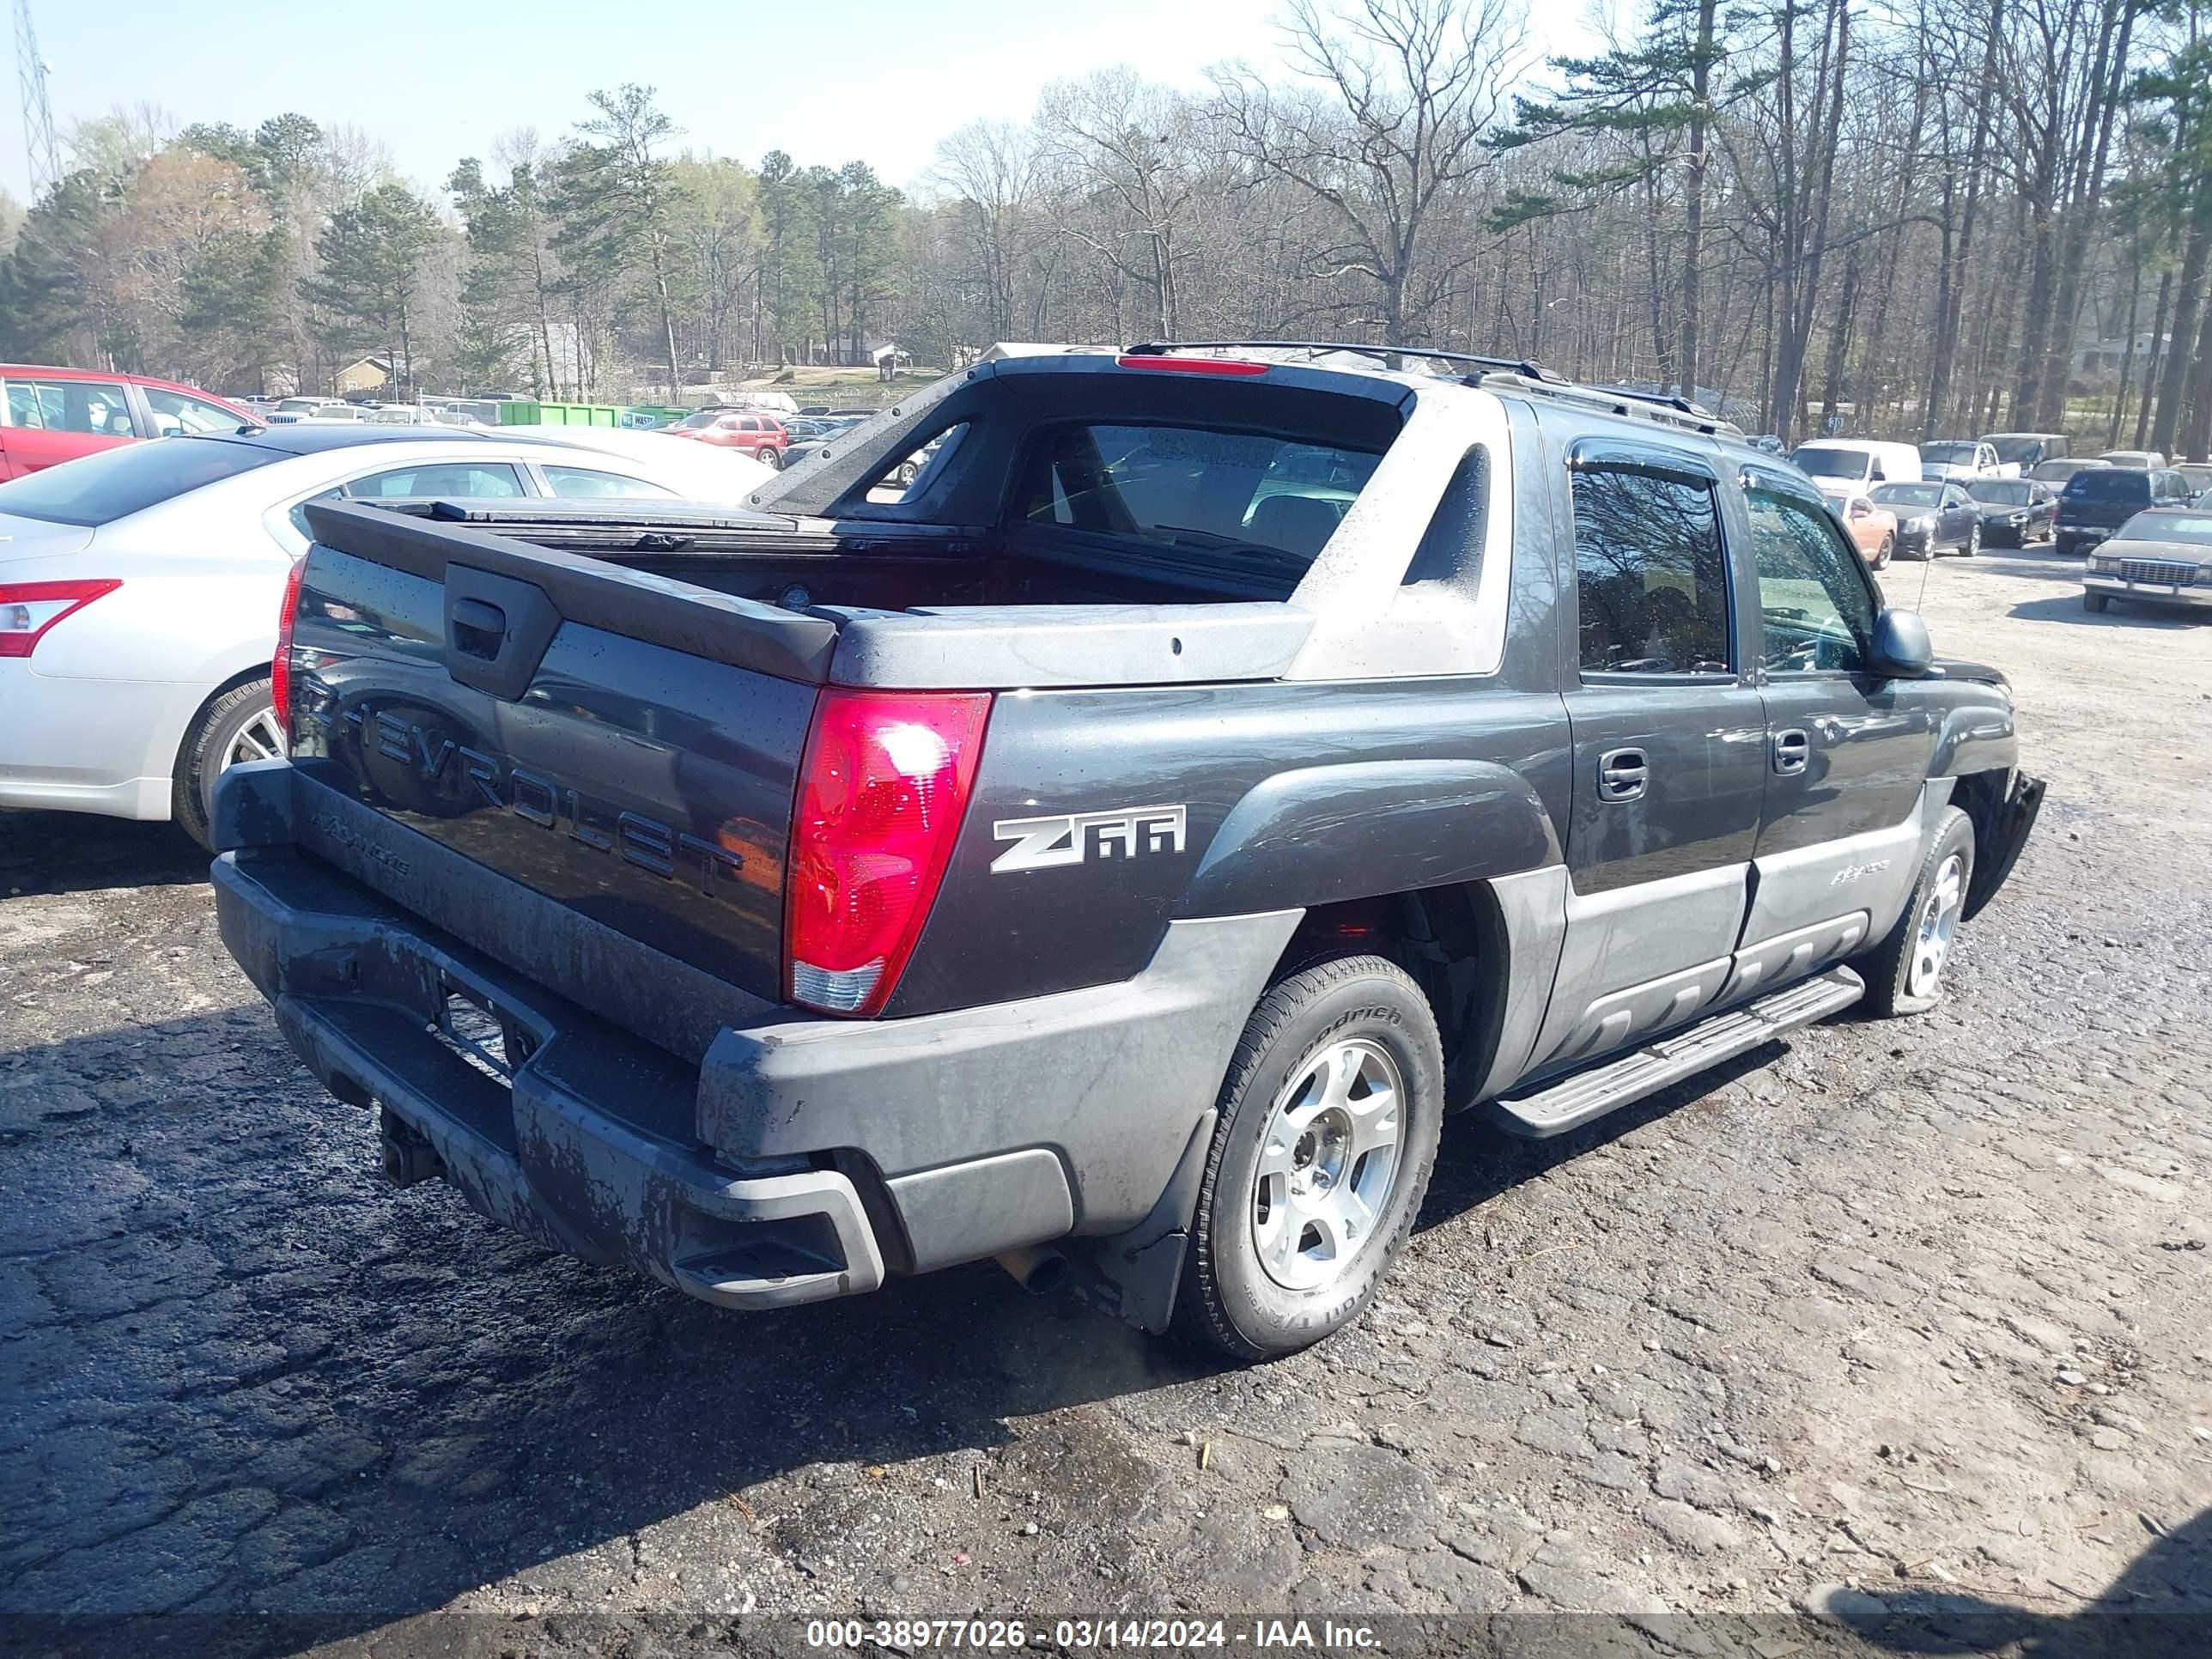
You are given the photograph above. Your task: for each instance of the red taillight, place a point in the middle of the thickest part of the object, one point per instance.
(280, 666)
(1195, 365)
(881, 794)
(28, 610)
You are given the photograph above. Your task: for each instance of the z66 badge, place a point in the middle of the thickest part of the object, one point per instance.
(1070, 837)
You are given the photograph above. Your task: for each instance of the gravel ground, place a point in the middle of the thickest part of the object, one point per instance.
(1897, 1319)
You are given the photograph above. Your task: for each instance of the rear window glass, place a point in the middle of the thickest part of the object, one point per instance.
(2108, 484)
(99, 488)
(2018, 449)
(1910, 495)
(1948, 453)
(1823, 462)
(1195, 488)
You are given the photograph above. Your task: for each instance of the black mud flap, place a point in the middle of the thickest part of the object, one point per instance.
(2000, 848)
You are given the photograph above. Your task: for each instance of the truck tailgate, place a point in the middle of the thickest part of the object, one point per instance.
(625, 745)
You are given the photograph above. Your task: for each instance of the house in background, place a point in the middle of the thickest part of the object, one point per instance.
(2102, 361)
(891, 359)
(359, 380)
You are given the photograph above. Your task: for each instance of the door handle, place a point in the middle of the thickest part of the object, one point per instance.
(1622, 774)
(1791, 749)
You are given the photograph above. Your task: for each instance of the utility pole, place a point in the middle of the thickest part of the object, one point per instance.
(38, 113)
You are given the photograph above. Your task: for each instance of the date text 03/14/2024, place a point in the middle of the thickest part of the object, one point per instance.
(1083, 1634)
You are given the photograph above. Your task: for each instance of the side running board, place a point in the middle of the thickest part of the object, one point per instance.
(1574, 1101)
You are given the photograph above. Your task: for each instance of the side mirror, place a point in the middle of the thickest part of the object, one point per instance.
(1902, 650)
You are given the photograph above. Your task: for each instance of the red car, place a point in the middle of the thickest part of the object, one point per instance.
(760, 436)
(50, 415)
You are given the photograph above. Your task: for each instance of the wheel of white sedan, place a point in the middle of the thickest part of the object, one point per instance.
(240, 725)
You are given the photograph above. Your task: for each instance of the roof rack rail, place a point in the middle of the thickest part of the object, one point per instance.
(1664, 408)
(1387, 354)
(1523, 375)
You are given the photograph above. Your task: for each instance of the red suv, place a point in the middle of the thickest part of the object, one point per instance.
(50, 415)
(760, 436)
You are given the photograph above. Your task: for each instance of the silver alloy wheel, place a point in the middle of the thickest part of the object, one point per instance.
(260, 739)
(1938, 926)
(1327, 1164)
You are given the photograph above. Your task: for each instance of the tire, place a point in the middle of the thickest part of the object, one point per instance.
(771, 458)
(1881, 556)
(1972, 544)
(1904, 974)
(1261, 1279)
(2096, 602)
(239, 725)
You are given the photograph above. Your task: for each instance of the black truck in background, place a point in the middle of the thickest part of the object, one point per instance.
(1112, 848)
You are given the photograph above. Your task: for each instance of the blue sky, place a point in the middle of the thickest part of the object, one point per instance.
(830, 81)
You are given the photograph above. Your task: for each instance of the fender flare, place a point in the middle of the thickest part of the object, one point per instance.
(1320, 834)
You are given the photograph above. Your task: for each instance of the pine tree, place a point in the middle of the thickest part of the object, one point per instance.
(371, 258)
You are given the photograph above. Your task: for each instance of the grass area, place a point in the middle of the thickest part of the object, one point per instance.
(845, 387)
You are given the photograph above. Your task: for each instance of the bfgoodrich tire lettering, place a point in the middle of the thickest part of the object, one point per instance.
(1314, 1059)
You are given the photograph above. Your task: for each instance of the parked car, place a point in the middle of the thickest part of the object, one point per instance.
(749, 431)
(2199, 474)
(2028, 450)
(1124, 891)
(1872, 527)
(1857, 463)
(1931, 517)
(2056, 473)
(2143, 460)
(2015, 511)
(48, 416)
(1964, 460)
(139, 591)
(2095, 503)
(2164, 554)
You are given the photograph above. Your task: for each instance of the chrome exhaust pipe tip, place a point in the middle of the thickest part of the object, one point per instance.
(1038, 1269)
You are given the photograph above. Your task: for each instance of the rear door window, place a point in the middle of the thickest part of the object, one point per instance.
(1189, 487)
(99, 408)
(582, 484)
(456, 479)
(1651, 574)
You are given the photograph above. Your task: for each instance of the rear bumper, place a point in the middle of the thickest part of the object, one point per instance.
(798, 1158)
(358, 989)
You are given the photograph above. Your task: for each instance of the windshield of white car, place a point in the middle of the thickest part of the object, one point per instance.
(1825, 463)
(2015, 449)
(99, 488)
(1946, 453)
(1910, 495)
(2167, 526)
(1999, 492)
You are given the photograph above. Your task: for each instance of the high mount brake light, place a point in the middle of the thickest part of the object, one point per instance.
(280, 666)
(1239, 366)
(882, 793)
(28, 610)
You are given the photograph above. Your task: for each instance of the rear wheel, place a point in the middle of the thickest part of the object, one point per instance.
(1973, 542)
(773, 458)
(1882, 555)
(240, 725)
(1326, 1134)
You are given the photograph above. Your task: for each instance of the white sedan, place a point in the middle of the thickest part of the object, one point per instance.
(139, 588)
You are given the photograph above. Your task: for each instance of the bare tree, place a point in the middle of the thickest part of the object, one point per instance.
(1408, 91)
